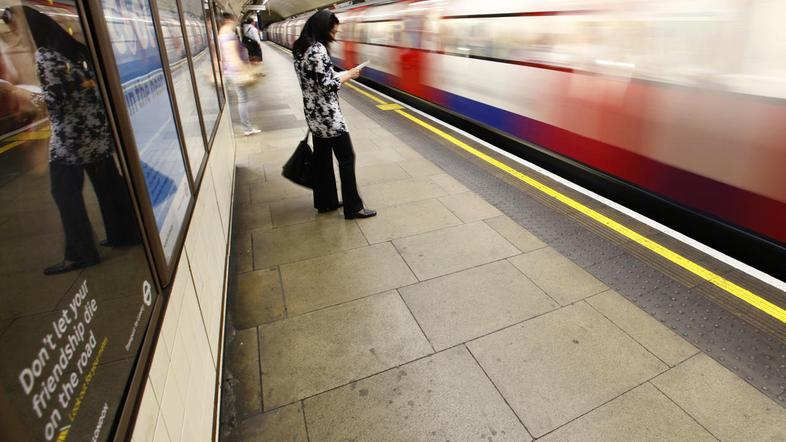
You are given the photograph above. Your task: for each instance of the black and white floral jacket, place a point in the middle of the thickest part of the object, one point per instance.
(320, 85)
(80, 129)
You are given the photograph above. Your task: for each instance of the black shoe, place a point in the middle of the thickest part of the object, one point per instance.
(362, 213)
(66, 266)
(125, 243)
(340, 204)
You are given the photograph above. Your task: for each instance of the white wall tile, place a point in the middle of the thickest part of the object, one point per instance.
(179, 398)
(172, 410)
(159, 369)
(145, 426)
(161, 435)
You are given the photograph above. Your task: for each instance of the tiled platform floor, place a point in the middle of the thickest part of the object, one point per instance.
(440, 319)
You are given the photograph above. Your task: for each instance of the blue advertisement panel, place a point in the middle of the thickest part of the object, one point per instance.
(197, 37)
(138, 59)
(181, 79)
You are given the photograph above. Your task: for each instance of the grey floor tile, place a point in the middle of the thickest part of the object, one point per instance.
(406, 220)
(470, 207)
(293, 211)
(312, 353)
(300, 241)
(450, 184)
(375, 157)
(646, 330)
(242, 262)
(333, 279)
(256, 298)
(723, 403)
(399, 192)
(380, 173)
(243, 364)
(285, 424)
(242, 195)
(386, 140)
(275, 189)
(586, 249)
(277, 156)
(420, 167)
(442, 397)
(517, 235)
(249, 174)
(558, 276)
(462, 306)
(407, 152)
(558, 366)
(642, 414)
(251, 217)
(452, 249)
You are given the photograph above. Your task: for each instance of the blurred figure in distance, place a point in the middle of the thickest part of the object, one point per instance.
(236, 71)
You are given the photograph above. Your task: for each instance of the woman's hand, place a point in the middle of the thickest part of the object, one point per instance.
(351, 74)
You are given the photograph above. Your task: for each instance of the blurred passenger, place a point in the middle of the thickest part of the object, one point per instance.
(252, 41)
(237, 72)
(81, 141)
(320, 85)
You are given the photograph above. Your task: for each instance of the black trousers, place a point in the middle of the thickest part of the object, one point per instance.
(325, 194)
(67, 182)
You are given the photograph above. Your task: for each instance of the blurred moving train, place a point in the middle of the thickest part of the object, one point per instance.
(681, 98)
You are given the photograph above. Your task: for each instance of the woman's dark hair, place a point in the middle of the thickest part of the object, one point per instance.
(47, 33)
(317, 29)
(226, 16)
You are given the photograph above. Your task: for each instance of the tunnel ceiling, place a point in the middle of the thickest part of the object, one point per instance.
(286, 8)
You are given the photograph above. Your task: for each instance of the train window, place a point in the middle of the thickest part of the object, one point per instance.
(181, 79)
(386, 33)
(77, 290)
(203, 56)
(138, 58)
(468, 37)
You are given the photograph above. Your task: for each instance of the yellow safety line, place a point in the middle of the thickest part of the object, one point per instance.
(21, 137)
(9, 146)
(357, 89)
(730, 287)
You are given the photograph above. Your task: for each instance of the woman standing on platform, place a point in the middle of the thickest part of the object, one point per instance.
(320, 85)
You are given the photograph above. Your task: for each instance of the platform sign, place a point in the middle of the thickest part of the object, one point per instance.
(146, 93)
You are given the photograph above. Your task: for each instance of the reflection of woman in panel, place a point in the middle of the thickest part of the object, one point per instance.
(80, 142)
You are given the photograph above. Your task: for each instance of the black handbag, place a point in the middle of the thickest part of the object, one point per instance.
(298, 168)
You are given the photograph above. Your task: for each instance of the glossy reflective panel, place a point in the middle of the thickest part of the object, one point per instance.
(181, 79)
(77, 291)
(196, 32)
(138, 59)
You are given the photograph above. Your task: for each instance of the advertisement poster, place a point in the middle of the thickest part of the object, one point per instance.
(138, 58)
(203, 65)
(181, 79)
(77, 291)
